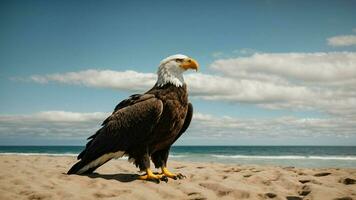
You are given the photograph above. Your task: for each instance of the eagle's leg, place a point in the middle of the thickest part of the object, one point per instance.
(144, 165)
(159, 158)
(169, 174)
(153, 177)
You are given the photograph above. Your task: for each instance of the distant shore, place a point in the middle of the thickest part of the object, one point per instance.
(43, 177)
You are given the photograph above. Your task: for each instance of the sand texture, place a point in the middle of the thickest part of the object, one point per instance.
(43, 177)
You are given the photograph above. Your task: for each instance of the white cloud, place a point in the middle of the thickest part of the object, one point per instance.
(210, 87)
(52, 124)
(234, 53)
(311, 67)
(342, 40)
(127, 80)
(320, 81)
(281, 126)
(245, 51)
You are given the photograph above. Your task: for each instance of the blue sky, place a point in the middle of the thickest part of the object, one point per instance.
(42, 38)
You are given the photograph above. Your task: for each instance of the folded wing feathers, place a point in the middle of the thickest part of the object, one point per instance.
(133, 99)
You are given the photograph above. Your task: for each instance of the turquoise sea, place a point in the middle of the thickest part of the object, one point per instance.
(300, 156)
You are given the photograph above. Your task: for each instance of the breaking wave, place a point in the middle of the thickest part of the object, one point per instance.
(286, 157)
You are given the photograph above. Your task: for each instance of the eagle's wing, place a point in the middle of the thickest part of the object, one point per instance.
(130, 124)
(159, 158)
(187, 120)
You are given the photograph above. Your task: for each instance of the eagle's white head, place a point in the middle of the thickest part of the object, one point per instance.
(171, 69)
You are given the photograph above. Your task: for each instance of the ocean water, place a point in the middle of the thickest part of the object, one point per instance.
(299, 156)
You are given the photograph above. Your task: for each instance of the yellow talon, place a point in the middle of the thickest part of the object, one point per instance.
(169, 174)
(154, 177)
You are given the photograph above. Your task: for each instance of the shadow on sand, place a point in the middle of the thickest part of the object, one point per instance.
(122, 177)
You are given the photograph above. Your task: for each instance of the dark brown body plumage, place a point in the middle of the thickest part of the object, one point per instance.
(144, 126)
(175, 107)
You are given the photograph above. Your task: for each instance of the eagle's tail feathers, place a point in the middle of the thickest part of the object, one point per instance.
(76, 167)
(82, 167)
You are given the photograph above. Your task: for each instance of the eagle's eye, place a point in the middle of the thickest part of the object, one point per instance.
(179, 60)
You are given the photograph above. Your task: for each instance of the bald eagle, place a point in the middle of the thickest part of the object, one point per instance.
(144, 126)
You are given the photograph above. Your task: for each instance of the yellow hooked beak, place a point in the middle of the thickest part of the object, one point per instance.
(190, 63)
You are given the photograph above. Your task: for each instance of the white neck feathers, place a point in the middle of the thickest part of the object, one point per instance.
(167, 73)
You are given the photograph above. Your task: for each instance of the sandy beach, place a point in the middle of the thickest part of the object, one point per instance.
(43, 177)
